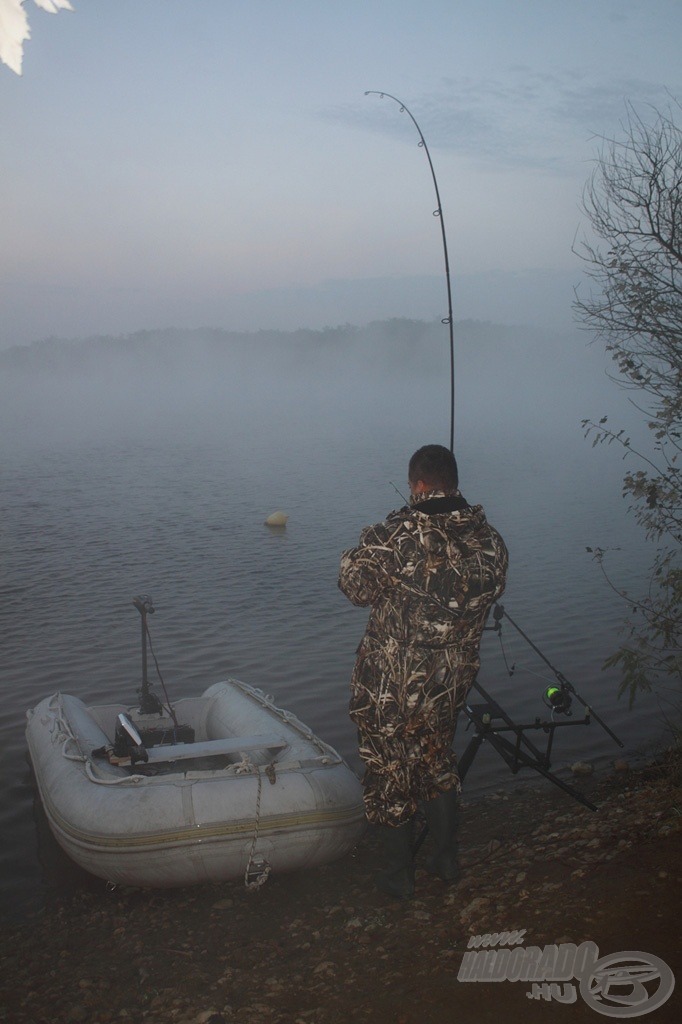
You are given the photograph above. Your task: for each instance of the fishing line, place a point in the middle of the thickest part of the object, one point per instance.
(399, 493)
(512, 670)
(438, 212)
(509, 652)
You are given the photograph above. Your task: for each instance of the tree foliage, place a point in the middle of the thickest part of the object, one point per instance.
(634, 204)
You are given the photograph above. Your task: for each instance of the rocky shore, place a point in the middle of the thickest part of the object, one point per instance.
(324, 947)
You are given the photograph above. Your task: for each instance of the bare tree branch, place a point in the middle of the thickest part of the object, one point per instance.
(633, 202)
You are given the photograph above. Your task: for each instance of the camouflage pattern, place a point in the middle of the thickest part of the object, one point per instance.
(430, 578)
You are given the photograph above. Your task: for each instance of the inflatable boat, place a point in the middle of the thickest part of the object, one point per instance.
(216, 787)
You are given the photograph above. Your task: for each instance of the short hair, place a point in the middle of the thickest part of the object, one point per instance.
(436, 466)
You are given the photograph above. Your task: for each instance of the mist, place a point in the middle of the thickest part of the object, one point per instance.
(264, 387)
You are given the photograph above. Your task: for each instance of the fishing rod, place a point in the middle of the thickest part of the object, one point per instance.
(556, 697)
(438, 212)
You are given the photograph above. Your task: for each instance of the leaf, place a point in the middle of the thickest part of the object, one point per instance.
(15, 32)
(14, 29)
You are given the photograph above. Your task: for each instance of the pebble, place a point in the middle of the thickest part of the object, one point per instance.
(474, 909)
(582, 768)
(326, 967)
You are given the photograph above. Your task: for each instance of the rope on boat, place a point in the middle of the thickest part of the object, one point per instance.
(72, 757)
(256, 873)
(60, 729)
(123, 781)
(288, 717)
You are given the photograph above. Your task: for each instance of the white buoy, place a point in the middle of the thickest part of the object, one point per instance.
(277, 519)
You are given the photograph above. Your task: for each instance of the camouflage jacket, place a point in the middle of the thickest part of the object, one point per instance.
(430, 572)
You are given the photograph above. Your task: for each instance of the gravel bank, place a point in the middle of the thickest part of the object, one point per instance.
(324, 947)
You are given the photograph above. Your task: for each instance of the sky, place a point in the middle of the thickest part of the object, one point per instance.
(217, 163)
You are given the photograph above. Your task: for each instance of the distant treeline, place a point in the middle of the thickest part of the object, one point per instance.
(399, 339)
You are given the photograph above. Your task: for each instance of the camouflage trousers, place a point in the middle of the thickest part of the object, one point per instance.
(404, 702)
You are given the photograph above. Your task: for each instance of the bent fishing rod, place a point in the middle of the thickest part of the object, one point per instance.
(438, 212)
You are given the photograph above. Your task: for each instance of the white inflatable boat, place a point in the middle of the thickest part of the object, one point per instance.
(217, 787)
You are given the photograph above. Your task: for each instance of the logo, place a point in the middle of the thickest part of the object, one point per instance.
(627, 984)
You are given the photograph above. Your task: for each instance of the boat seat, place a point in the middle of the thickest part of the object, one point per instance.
(215, 748)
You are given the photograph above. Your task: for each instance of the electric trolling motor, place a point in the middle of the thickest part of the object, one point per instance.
(149, 702)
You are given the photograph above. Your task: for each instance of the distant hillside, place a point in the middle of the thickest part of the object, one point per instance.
(510, 379)
(404, 342)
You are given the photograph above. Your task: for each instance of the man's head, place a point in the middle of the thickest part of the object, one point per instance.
(433, 468)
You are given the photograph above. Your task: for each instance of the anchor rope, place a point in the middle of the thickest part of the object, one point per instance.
(262, 873)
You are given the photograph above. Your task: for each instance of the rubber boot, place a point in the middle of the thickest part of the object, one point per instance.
(397, 878)
(441, 817)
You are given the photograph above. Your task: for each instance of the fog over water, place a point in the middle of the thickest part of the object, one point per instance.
(339, 378)
(148, 464)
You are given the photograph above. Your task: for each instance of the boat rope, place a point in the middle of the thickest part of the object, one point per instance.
(72, 757)
(256, 873)
(61, 731)
(64, 733)
(288, 717)
(123, 781)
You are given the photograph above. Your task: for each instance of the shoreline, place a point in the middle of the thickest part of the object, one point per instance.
(324, 946)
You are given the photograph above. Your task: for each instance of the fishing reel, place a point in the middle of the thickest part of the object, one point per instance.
(558, 698)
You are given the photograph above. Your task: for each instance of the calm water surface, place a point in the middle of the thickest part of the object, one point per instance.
(91, 521)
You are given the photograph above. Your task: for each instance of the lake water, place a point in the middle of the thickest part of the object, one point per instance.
(172, 503)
